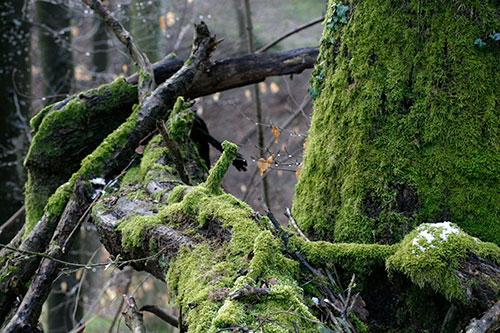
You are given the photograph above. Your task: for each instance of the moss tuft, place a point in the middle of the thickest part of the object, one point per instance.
(432, 253)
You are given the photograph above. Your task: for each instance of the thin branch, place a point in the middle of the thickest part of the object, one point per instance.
(294, 224)
(147, 82)
(163, 315)
(291, 32)
(12, 219)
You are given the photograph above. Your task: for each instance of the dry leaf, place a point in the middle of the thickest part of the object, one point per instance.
(82, 74)
(124, 68)
(263, 87)
(64, 286)
(162, 24)
(306, 141)
(140, 150)
(274, 88)
(170, 19)
(262, 165)
(75, 31)
(273, 281)
(276, 133)
(248, 95)
(270, 160)
(78, 274)
(297, 172)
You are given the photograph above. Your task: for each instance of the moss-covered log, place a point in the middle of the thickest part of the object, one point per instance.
(204, 243)
(66, 132)
(406, 127)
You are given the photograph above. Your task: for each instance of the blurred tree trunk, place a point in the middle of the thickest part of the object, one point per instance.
(54, 40)
(15, 92)
(240, 22)
(145, 27)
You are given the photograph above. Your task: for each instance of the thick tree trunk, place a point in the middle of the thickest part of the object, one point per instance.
(406, 132)
(406, 122)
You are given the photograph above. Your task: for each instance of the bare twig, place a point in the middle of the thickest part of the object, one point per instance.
(12, 219)
(289, 33)
(294, 224)
(147, 82)
(163, 315)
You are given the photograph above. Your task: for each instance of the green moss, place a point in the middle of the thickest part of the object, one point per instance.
(432, 253)
(38, 118)
(180, 120)
(220, 168)
(354, 258)
(406, 124)
(44, 173)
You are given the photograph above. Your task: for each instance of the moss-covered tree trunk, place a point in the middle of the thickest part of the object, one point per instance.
(406, 124)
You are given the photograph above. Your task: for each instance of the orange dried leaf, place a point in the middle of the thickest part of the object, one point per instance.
(124, 68)
(170, 19)
(162, 24)
(262, 165)
(276, 133)
(270, 160)
(297, 172)
(306, 141)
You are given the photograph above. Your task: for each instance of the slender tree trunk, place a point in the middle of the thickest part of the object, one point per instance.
(57, 76)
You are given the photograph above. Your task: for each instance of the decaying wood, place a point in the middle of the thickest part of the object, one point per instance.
(154, 108)
(489, 322)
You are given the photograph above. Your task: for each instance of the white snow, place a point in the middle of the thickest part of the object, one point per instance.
(427, 233)
(98, 181)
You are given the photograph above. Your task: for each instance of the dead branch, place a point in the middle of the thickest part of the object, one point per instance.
(155, 107)
(289, 33)
(162, 314)
(140, 59)
(489, 322)
(133, 317)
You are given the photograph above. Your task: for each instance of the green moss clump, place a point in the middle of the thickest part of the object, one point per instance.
(51, 162)
(220, 168)
(406, 123)
(431, 253)
(180, 120)
(352, 257)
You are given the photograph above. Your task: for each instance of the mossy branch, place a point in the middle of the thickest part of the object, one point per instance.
(173, 148)
(220, 168)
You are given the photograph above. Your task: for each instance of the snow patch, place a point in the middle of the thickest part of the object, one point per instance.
(429, 233)
(98, 181)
